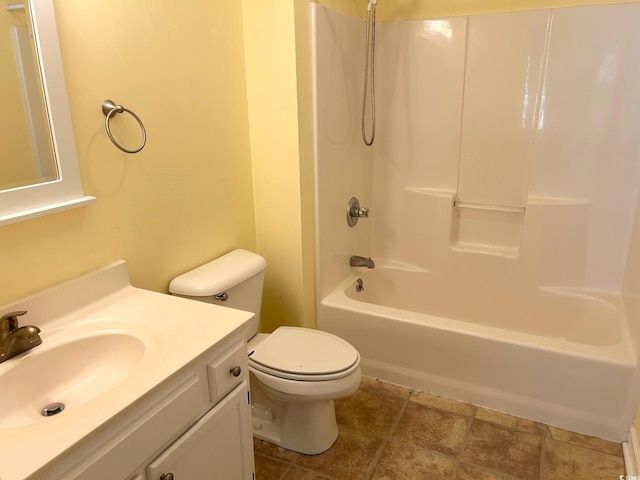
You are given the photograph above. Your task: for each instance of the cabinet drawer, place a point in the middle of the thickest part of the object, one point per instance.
(227, 370)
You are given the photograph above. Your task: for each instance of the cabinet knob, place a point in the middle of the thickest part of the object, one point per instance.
(166, 476)
(236, 371)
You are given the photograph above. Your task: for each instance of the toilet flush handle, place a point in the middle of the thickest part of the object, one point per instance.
(222, 297)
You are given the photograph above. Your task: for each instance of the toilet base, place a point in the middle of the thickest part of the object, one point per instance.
(308, 428)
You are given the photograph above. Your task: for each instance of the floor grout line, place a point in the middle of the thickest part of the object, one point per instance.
(387, 438)
(465, 442)
(284, 474)
(544, 441)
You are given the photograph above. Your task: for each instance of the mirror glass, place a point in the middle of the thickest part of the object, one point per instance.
(38, 161)
(26, 152)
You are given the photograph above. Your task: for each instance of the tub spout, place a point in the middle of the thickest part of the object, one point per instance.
(358, 261)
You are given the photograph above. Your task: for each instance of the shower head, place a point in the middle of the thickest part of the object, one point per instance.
(372, 4)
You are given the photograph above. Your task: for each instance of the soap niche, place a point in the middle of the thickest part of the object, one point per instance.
(487, 229)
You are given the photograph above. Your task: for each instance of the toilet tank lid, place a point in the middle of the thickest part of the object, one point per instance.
(218, 275)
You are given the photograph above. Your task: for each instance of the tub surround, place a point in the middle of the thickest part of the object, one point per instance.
(417, 179)
(510, 140)
(504, 173)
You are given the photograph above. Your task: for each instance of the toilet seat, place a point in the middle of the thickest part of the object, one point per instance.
(297, 353)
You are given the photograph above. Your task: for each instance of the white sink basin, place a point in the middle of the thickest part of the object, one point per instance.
(72, 373)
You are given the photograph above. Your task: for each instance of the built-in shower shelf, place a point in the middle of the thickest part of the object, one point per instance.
(499, 251)
(432, 192)
(497, 230)
(497, 208)
(488, 229)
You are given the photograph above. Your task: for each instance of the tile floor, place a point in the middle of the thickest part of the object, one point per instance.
(389, 432)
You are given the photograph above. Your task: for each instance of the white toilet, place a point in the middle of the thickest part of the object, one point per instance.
(295, 373)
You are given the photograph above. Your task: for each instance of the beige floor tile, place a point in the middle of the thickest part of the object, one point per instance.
(442, 403)
(432, 428)
(268, 468)
(297, 473)
(370, 411)
(594, 443)
(349, 458)
(511, 421)
(401, 461)
(573, 462)
(473, 472)
(430, 432)
(503, 450)
(375, 385)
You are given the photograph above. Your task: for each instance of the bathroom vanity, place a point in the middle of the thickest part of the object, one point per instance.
(153, 389)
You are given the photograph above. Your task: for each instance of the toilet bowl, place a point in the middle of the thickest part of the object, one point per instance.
(295, 373)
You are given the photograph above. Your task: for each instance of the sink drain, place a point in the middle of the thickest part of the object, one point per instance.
(52, 409)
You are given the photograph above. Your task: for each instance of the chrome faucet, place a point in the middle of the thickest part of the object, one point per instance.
(14, 339)
(358, 261)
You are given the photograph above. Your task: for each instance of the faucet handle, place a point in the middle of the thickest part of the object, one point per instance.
(9, 321)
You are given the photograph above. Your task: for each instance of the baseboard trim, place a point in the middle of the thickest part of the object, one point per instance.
(631, 452)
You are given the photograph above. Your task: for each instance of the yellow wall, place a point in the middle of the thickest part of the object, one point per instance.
(305, 141)
(187, 197)
(270, 50)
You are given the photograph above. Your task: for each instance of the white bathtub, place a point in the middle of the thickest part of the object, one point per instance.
(558, 356)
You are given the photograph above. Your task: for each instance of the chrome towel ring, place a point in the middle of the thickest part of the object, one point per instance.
(109, 108)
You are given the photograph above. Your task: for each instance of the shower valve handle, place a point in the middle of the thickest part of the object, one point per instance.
(354, 211)
(360, 212)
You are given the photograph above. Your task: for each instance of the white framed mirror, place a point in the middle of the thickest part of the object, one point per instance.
(57, 185)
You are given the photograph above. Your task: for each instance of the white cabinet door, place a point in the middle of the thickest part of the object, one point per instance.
(218, 447)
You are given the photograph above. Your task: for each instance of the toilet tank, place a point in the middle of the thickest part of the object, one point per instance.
(233, 280)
